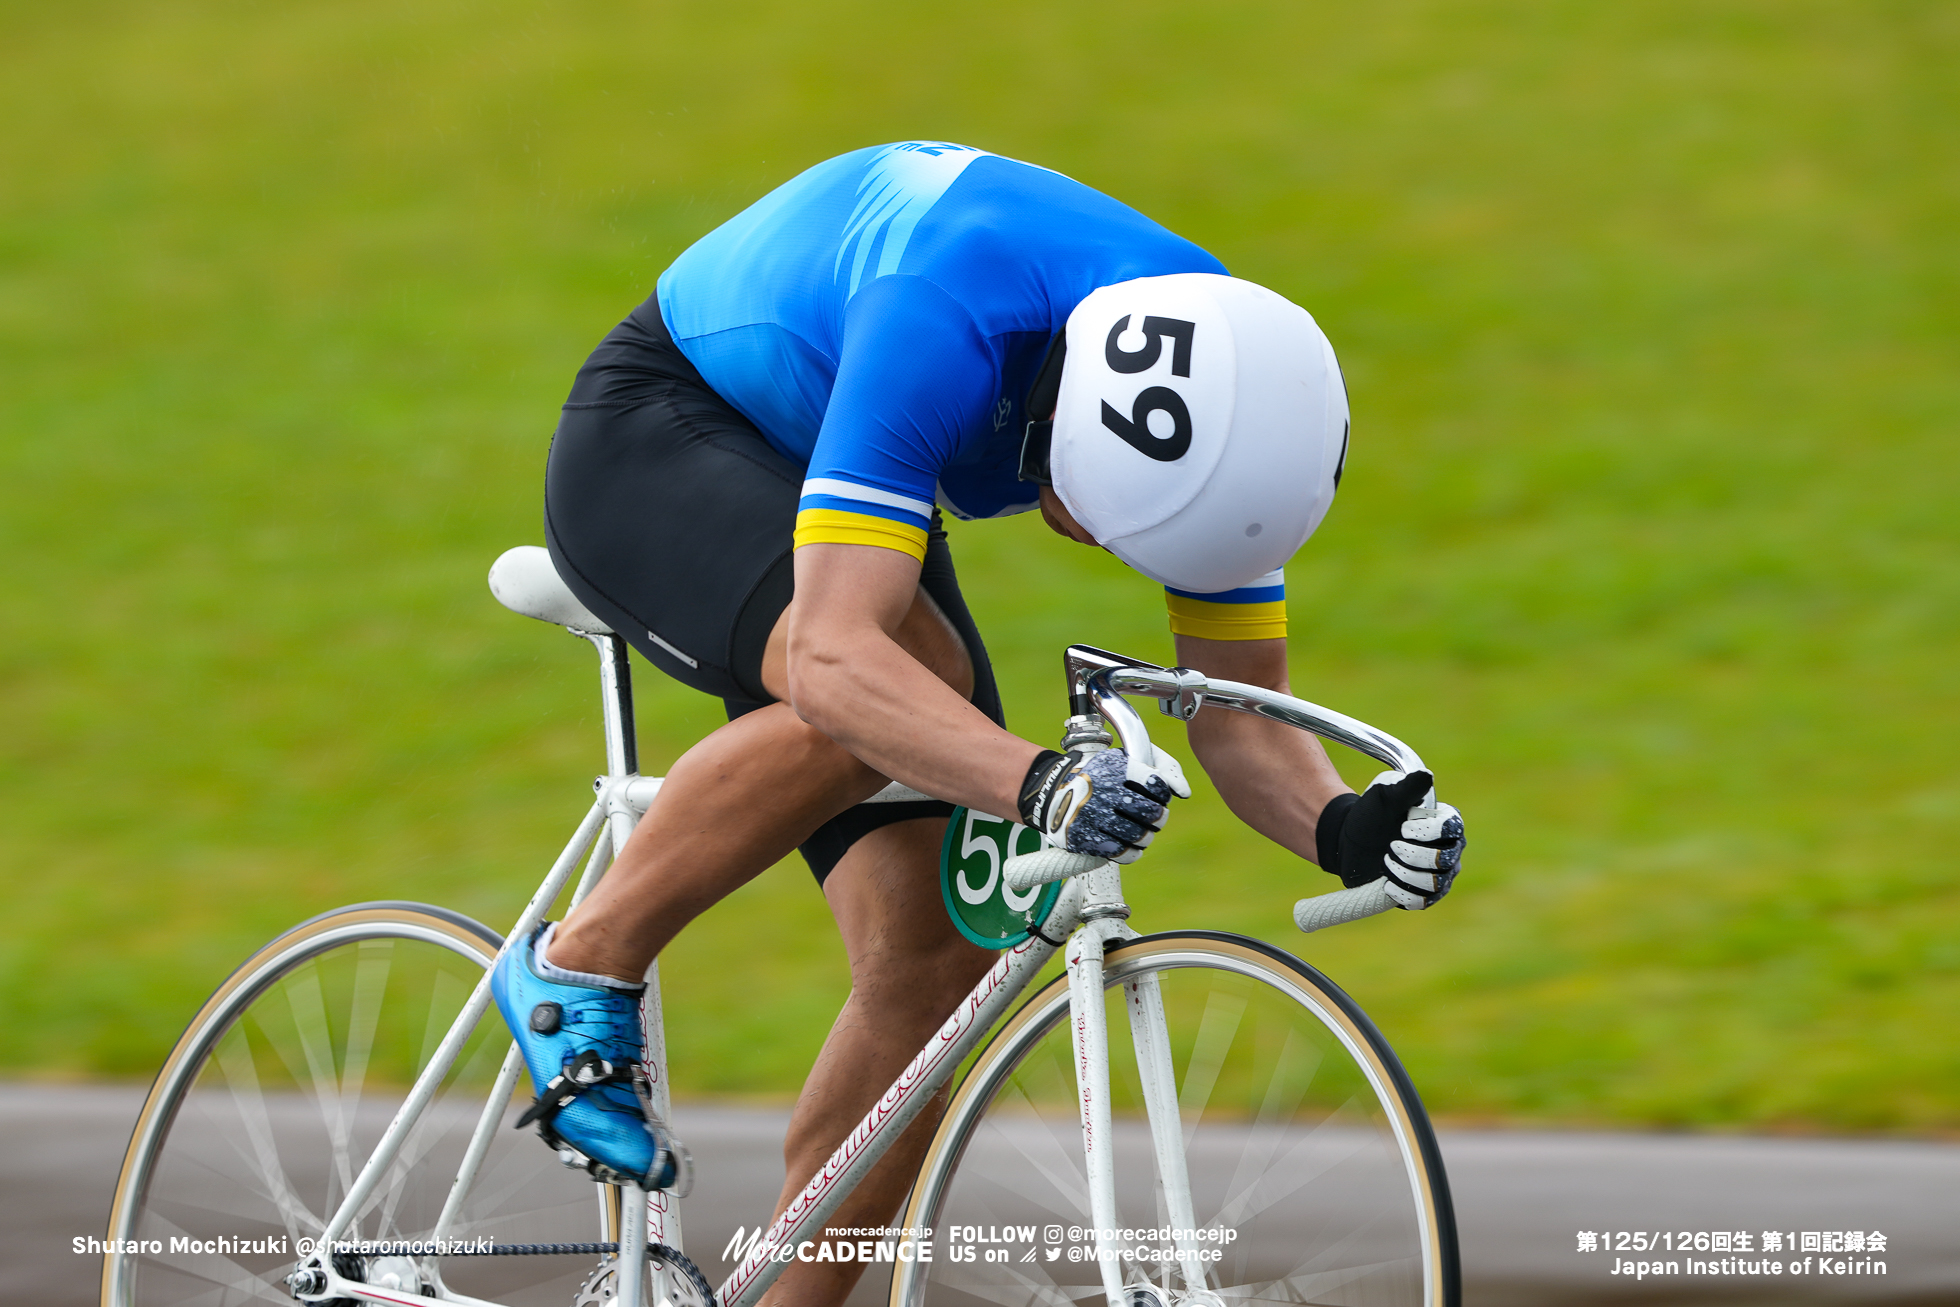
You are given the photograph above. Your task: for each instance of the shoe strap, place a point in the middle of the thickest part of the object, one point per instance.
(588, 1071)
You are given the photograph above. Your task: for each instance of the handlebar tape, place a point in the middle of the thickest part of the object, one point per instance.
(1344, 905)
(1024, 871)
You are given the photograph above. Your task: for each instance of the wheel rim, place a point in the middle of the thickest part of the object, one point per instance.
(1300, 1133)
(278, 1092)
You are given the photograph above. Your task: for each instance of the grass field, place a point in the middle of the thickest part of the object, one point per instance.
(1651, 319)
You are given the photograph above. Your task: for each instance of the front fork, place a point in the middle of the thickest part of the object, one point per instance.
(1089, 1028)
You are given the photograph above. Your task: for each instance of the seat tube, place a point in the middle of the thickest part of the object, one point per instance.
(630, 1278)
(663, 1225)
(1090, 1030)
(662, 1220)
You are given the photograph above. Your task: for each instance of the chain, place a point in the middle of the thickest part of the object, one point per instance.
(495, 1250)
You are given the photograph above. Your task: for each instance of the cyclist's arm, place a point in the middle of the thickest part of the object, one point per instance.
(1274, 778)
(916, 381)
(850, 679)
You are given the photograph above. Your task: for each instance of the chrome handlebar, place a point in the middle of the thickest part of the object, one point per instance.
(1098, 680)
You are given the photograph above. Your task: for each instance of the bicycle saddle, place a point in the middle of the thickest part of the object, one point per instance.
(524, 581)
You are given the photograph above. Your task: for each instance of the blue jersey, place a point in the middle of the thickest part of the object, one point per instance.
(880, 319)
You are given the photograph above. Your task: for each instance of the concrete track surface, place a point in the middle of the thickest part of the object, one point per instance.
(1521, 1200)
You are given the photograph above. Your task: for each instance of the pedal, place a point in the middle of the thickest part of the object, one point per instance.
(679, 1183)
(683, 1182)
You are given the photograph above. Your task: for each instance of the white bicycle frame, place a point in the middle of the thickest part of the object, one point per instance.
(1092, 899)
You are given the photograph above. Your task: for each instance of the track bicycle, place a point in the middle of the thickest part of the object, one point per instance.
(334, 1127)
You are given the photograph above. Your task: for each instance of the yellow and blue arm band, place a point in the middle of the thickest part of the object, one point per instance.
(1251, 612)
(834, 512)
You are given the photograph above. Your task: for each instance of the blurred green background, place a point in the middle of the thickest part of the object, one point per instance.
(1649, 314)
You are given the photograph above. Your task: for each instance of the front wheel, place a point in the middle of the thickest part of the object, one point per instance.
(279, 1090)
(1313, 1172)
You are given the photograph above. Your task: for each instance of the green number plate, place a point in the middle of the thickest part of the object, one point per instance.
(977, 897)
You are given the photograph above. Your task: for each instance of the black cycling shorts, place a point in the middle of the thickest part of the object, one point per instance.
(670, 517)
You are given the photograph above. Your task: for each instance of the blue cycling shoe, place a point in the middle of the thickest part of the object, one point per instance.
(585, 1048)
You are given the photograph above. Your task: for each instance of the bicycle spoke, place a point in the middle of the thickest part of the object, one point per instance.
(1297, 1171)
(224, 1195)
(230, 1281)
(427, 1133)
(241, 1077)
(320, 1048)
(1287, 1146)
(1290, 1291)
(512, 1173)
(374, 960)
(308, 1007)
(1283, 1095)
(1022, 1290)
(1059, 1158)
(1216, 1030)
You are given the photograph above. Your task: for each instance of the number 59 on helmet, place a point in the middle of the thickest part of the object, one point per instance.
(1200, 426)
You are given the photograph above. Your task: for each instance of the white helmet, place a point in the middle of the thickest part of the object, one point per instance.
(1200, 427)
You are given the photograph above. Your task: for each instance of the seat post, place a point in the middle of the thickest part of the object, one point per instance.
(616, 698)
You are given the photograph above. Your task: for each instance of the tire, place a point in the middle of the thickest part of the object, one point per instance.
(1303, 1136)
(278, 1091)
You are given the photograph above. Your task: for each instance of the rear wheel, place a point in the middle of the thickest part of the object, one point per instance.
(278, 1092)
(1312, 1164)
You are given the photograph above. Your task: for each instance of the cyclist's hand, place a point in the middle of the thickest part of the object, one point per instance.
(1104, 803)
(1397, 830)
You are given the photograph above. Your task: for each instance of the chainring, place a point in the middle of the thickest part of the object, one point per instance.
(687, 1287)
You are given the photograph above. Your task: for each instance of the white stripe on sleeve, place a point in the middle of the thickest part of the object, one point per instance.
(866, 495)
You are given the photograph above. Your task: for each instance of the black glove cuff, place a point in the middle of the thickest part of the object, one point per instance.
(1034, 786)
(1327, 832)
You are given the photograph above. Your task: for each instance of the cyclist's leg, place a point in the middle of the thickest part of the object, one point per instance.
(732, 806)
(909, 969)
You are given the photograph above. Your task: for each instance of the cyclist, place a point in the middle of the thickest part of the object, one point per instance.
(748, 483)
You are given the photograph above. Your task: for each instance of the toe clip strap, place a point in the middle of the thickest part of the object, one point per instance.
(587, 1071)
